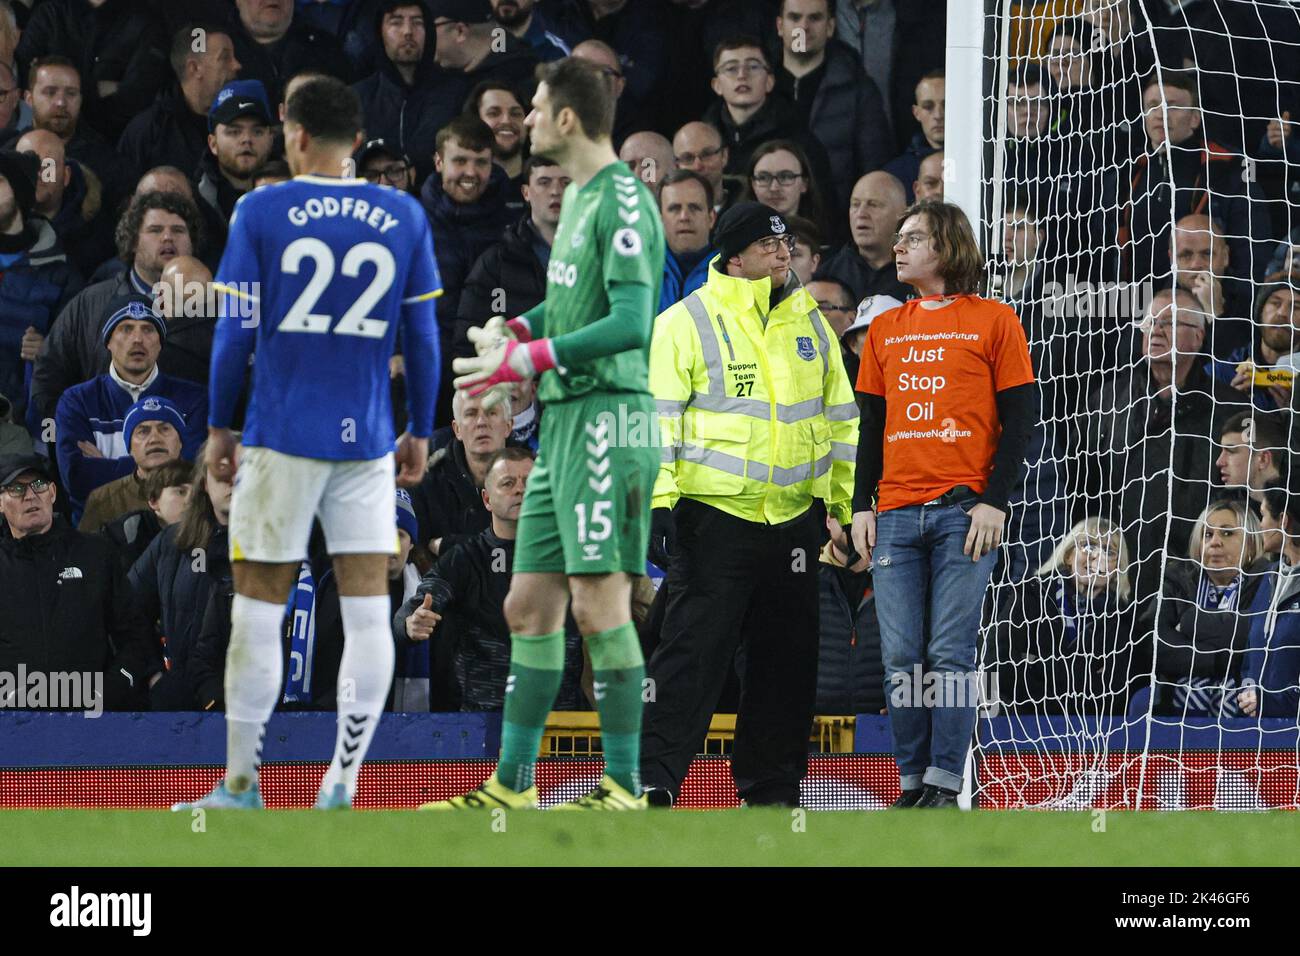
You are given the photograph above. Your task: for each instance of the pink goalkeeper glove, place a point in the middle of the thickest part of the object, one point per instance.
(510, 361)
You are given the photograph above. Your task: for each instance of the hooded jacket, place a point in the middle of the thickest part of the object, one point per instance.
(448, 505)
(777, 119)
(408, 116)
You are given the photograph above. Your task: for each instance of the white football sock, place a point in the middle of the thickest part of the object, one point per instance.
(254, 668)
(365, 677)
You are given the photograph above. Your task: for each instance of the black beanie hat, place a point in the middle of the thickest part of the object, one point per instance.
(744, 223)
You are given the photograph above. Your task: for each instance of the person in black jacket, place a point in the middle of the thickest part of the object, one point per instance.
(448, 502)
(1066, 641)
(472, 48)
(1201, 627)
(67, 606)
(173, 131)
(72, 199)
(54, 92)
(117, 45)
(510, 277)
(841, 105)
(408, 98)
(465, 202)
(239, 143)
(173, 578)
(928, 111)
(272, 44)
(468, 587)
(746, 112)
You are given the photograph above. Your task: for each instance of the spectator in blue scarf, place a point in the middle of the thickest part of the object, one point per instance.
(1202, 626)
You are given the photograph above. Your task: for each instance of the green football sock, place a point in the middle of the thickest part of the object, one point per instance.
(619, 670)
(536, 670)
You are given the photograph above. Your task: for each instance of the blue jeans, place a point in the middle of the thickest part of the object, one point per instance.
(929, 598)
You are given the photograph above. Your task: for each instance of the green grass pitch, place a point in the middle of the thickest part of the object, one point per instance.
(764, 837)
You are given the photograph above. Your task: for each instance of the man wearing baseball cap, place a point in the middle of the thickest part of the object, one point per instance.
(152, 428)
(758, 420)
(240, 137)
(385, 164)
(67, 605)
(471, 43)
(90, 418)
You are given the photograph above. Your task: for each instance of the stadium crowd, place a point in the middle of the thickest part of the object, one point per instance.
(1153, 530)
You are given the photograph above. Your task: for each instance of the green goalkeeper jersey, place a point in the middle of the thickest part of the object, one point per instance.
(609, 233)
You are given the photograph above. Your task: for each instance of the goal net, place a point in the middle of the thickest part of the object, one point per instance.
(1138, 182)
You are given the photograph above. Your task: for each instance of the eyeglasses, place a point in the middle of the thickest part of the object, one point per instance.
(773, 243)
(18, 490)
(394, 174)
(443, 22)
(1098, 548)
(912, 240)
(611, 73)
(832, 307)
(734, 69)
(1164, 325)
(688, 159)
(784, 178)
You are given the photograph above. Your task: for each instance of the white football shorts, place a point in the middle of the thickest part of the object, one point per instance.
(276, 496)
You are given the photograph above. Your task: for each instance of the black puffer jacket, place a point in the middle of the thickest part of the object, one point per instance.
(850, 671)
(1193, 641)
(1044, 666)
(67, 608)
(171, 588)
(509, 269)
(448, 505)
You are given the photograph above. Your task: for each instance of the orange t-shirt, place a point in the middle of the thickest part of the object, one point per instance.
(938, 370)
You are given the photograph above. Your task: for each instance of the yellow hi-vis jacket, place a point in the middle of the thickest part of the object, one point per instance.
(755, 419)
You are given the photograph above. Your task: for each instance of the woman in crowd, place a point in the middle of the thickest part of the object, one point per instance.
(173, 578)
(779, 176)
(1064, 639)
(1201, 626)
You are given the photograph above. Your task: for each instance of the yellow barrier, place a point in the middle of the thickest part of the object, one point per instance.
(577, 734)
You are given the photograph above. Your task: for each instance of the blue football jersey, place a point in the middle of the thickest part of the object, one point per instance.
(319, 274)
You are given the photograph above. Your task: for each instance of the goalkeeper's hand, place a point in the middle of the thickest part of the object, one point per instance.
(508, 362)
(498, 329)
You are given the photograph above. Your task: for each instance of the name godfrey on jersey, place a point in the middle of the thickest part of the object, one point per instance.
(327, 207)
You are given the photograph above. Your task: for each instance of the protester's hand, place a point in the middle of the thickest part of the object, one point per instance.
(1248, 701)
(411, 459)
(985, 532)
(31, 344)
(222, 453)
(863, 533)
(89, 450)
(420, 625)
(1280, 130)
